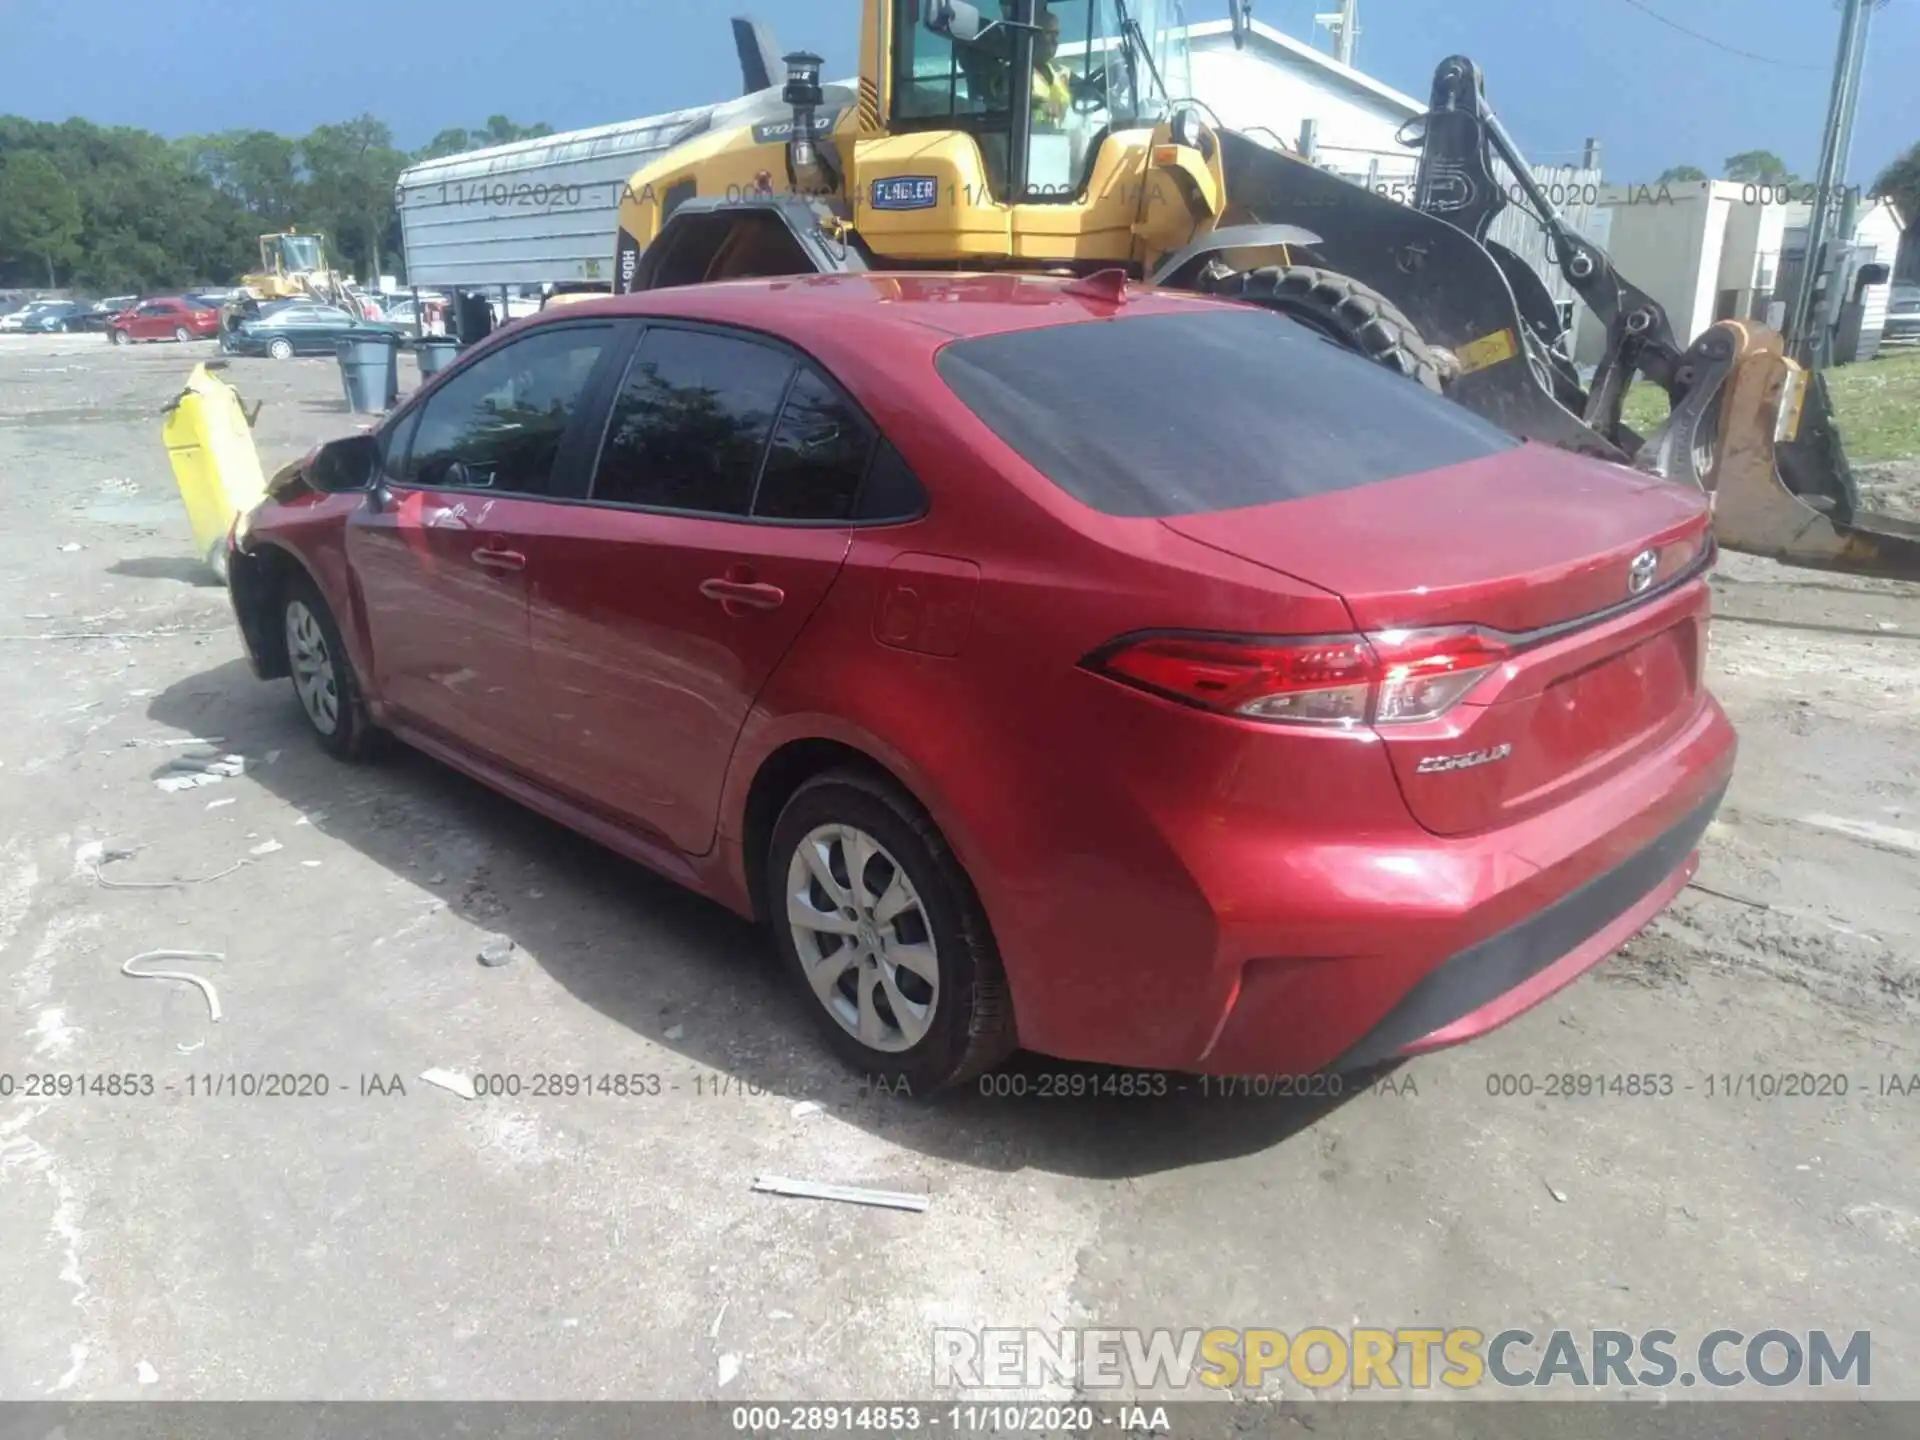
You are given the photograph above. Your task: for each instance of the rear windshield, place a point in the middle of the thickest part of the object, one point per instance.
(1207, 410)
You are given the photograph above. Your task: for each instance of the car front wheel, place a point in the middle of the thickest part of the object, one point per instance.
(281, 349)
(885, 935)
(322, 674)
(121, 337)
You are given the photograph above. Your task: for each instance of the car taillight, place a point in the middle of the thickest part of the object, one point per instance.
(1393, 677)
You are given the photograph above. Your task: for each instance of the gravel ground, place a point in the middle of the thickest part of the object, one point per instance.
(421, 1245)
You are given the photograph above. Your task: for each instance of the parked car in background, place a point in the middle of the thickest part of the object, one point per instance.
(23, 317)
(169, 317)
(55, 317)
(299, 328)
(406, 315)
(1903, 316)
(1304, 721)
(94, 315)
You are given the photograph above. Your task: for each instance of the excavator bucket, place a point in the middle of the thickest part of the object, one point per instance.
(1773, 463)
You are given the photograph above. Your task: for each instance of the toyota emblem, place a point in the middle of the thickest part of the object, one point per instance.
(1641, 572)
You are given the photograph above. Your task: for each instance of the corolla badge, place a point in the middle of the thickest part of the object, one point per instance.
(1641, 572)
(1439, 764)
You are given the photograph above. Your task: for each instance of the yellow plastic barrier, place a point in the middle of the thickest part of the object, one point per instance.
(209, 436)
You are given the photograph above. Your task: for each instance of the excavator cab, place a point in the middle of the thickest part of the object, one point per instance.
(1038, 91)
(289, 255)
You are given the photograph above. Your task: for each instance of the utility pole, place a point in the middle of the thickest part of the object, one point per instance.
(1808, 331)
(1344, 24)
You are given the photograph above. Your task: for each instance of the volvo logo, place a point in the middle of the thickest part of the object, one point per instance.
(1641, 572)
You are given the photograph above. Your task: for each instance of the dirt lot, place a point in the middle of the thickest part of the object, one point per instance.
(174, 1245)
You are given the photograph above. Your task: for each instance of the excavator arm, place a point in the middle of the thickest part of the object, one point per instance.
(1747, 424)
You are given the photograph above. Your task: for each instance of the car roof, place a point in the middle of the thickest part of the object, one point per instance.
(939, 305)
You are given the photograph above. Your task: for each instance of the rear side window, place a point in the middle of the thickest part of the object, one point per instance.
(691, 423)
(817, 457)
(1177, 414)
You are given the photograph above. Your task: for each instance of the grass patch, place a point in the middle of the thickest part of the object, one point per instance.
(1878, 405)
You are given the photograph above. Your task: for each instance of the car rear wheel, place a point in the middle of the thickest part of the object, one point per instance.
(885, 935)
(281, 349)
(120, 337)
(323, 677)
(1345, 311)
(182, 334)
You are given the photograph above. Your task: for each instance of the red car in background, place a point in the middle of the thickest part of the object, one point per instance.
(167, 318)
(1132, 679)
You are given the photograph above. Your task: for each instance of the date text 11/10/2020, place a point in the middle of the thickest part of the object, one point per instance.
(1402, 190)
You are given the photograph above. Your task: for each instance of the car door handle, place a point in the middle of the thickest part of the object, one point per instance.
(755, 595)
(499, 559)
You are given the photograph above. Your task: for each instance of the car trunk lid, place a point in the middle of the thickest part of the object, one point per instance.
(1580, 568)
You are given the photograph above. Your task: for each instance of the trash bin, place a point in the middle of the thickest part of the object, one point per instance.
(370, 371)
(435, 353)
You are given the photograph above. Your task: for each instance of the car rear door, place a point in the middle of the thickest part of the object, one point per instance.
(717, 518)
(317, 328)
(443, 549)
(150, 322)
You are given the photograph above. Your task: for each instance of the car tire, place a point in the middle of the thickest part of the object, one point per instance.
(1346, 311)
(182, 334)
(954, 978)
(121, 337)
(322, 672)
(280, 349)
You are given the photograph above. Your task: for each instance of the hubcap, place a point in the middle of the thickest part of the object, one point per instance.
(312, 665)
(864, 937)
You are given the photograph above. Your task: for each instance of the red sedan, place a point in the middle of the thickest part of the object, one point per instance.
(1139, 680)
(168, 318)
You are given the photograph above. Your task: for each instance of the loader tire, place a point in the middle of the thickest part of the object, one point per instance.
(1343, 309)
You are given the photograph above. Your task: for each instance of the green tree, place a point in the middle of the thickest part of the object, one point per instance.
(498, 130)
(39, 212)
(1758, 167)
(1900, 183)
(453, 141)
(258, 168)
(1680, 174)
(351, 172)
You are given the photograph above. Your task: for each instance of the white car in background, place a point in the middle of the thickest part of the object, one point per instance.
(15, 319)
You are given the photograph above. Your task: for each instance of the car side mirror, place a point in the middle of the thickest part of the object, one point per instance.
(342, 466)
(954, 19)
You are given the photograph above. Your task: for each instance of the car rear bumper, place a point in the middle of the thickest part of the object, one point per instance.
(1514, 916)
(1488, 984)
(1293, 946)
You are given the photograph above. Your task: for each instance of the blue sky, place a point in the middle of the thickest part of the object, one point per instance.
(1557, 70)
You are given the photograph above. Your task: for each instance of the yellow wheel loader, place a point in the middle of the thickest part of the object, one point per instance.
(293, 266)
(1056, 135)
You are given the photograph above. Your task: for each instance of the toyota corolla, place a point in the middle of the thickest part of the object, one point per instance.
(1137, 679)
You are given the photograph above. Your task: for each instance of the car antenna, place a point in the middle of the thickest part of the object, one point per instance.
(1107, 286)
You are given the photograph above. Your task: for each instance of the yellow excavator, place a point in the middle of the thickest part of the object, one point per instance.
(1057, 135)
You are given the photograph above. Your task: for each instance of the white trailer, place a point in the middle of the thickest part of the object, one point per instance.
(532, 212)
(538, 213)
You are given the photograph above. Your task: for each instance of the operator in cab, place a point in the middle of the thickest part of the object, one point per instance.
(988, 65)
